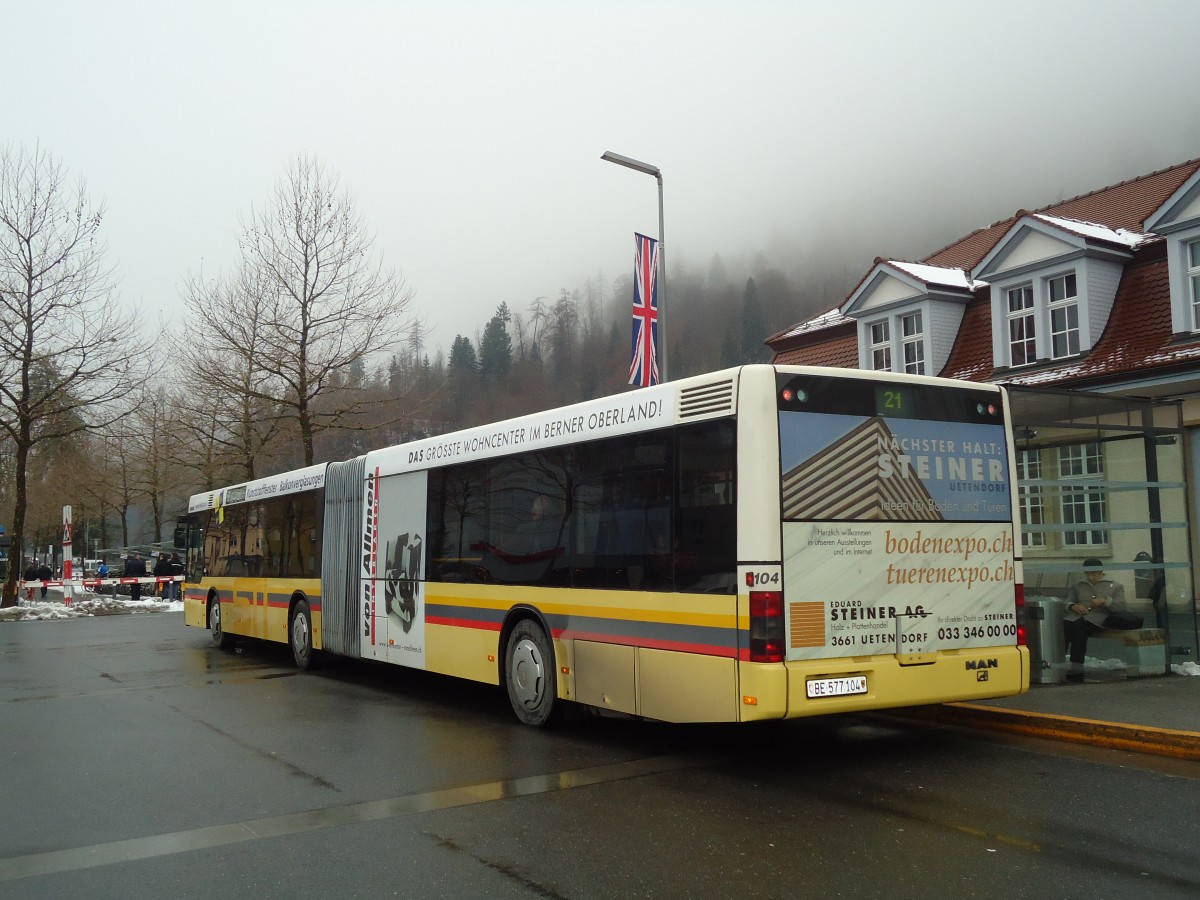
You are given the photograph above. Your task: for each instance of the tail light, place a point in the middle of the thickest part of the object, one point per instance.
(1020, 597)
(766, 626)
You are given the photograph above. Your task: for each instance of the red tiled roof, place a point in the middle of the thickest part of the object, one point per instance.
(971, 355)
(967, 253)
(1124, 205)
(1130, 203)
(840, 352)
(1138, 334)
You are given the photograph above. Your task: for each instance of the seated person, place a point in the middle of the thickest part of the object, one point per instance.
(1093, 600)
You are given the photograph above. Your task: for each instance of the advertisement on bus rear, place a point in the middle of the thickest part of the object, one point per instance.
(897, 535)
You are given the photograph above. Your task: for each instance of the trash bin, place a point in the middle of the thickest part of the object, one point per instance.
(1045, 638)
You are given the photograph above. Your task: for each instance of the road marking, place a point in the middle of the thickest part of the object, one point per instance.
(170, 843)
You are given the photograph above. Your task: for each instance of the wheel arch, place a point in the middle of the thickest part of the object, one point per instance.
(297, 596)
(314, 636)
(520, 613)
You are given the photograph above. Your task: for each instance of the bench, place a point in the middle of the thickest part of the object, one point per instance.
(1143, 650)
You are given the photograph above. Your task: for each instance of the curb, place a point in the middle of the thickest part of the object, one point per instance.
(1111, 735)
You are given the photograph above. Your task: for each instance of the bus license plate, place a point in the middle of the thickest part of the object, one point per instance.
(837, 687)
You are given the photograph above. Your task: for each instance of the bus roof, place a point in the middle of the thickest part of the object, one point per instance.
(688, 399)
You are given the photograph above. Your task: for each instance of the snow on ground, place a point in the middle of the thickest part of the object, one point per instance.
(85, 605)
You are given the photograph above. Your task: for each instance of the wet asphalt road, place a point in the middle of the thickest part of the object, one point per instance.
(140, 762)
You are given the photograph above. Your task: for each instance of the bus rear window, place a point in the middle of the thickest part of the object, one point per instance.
(874, 451)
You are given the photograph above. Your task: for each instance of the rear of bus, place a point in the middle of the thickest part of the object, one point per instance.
(901, 582)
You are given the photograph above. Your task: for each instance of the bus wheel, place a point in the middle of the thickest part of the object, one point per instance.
(529, 674)
(300, 636)
(220, 637)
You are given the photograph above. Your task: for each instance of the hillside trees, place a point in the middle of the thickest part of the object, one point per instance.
(495, 348)
(69, 355)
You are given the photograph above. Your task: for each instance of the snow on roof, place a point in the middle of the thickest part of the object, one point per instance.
(1095, 232)
(949, 277)
(825, 320)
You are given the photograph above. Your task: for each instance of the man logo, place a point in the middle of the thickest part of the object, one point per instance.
(974, 665)
(980, 667)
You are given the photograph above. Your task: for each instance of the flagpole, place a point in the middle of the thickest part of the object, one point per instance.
(662, 277)
(637, 166)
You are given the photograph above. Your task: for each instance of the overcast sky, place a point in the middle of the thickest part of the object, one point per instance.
(470, 132)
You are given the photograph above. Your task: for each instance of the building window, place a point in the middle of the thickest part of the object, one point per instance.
(1193, 277)
(913, 343)
(1085, 505)
(1064, 316)
(1022, 345)
(881, 346)
(1033, 511)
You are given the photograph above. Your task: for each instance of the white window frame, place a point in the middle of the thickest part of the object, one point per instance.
(879, 351)
(898, 341)
(912, 342)
(1063, 313)
(1038, 320)
(1023, 317)
(1032, 501)
(1085, 506)
(1191, 257)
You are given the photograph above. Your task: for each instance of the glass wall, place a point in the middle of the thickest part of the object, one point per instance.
(1102, 481)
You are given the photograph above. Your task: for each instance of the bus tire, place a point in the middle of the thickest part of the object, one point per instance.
(300, 636)
(529, 674)
(221, 638)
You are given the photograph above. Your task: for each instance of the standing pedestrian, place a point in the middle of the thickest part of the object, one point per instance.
(135, 567)
(176, 570)
(162, 569)
(44, 574)
(31, 574)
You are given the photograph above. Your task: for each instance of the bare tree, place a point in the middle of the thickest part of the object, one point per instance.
(228, 387)
(155, 464)
(327, 302)
(69, 355)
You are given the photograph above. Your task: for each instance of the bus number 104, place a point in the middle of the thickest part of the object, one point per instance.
(758, 579)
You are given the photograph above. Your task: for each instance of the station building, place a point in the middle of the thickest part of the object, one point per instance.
(1088, 310)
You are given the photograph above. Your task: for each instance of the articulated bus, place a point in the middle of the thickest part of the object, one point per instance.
(763, 542)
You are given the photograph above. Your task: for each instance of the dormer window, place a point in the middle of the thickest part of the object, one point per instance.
(900, 336)
(1064, 317)
(908, 315)
(1022, 331)
(1053, 282)
(1058, 315)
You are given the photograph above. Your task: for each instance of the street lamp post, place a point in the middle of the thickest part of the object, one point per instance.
(637, 166)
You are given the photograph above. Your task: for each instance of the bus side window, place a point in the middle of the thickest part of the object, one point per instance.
(623, 500)
(706, 518)
(456, 509)
(529, 516)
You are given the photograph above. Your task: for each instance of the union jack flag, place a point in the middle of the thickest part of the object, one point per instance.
(643, 368)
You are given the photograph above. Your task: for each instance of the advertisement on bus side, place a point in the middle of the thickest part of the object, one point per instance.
(394, 614)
